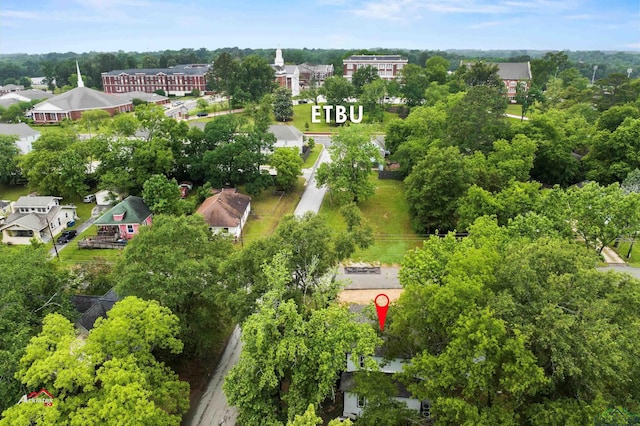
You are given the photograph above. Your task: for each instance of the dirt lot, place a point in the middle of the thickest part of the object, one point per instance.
(364, 297)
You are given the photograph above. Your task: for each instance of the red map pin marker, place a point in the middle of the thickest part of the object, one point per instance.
(382, 306)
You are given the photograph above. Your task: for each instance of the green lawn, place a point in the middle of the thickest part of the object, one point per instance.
(267, 209)
(387, 212)
(12, 192)
(623, 249)
(515, 109)
(72, 255)
(313, 157)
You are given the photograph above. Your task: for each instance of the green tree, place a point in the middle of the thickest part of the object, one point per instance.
(177, 262)
(414, 82)
(615, 116)
(363, 76)
(9, 152)
(528, 97)
(288, 164)
(30, 288)
(253, 79)
(600, 214)
(433, 188)
(482, 74)
(352, 157)
(283, 105)
(372, 99)
(111, 376)
(500, 323)
(162, 195)
(436, 69)
(477, 120)
(614, 154)
(202, 104)
(290, 360)
(337, 90)
(92, 120)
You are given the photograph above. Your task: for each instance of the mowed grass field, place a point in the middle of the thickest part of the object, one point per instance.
(388, 213)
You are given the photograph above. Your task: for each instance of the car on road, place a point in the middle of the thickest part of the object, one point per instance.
(66, 236)
(202, 114)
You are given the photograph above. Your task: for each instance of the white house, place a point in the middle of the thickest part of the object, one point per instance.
(25, 134)
(355, 404)
(226, 211)
(287, 136)
(41, 218)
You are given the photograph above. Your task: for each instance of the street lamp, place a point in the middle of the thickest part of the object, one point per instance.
(593, 77)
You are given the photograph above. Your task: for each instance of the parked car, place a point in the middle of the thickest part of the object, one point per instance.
(89, 198)
(202, 114)
(66, 236)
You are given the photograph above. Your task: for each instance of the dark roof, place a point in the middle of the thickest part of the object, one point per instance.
(93, 307)
(188, 69)
(134, 209)
(376, 58)
(224, 209)
(347, 383)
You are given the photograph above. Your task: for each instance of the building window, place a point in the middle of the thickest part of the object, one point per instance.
(361, 361)
(361, 401)
(129, 229)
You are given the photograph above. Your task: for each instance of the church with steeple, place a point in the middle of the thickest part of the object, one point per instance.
(70, 105)
(286, 75)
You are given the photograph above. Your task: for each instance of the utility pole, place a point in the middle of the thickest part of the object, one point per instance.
(52, 240)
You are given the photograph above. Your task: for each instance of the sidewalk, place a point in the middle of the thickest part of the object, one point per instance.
(611, 257)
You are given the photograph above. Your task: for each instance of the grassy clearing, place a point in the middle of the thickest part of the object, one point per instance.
(267, 209)
(12, 192)
(623, 249)
(387, 212)
(72, 255)
(515, 109)
(313, 157)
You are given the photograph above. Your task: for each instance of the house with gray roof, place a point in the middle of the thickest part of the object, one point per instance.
(28, 95)
(5, 210)
(287, 136)
(25, 135)
(38, 217)
(11, 88)
(123, 221)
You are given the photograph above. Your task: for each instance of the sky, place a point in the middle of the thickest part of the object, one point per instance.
(43, 26)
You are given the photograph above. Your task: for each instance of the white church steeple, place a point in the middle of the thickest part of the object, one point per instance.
(80, 82)
(279, 62)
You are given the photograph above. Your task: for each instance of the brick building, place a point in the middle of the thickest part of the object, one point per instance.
(388, 66)
(179, 80)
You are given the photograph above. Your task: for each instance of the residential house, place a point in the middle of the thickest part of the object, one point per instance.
(41, 218)
(11, 88)
(71, 104)
(388, 66)
(512, 74)
(25, 134)
(226, 211)
(92, 308)
(123, 221)
(287, 136)
(5, 210)
(27, 95)
(179, 80)
(104, 201)
(286, 75)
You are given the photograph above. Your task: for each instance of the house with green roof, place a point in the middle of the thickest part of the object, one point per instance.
(124, 220)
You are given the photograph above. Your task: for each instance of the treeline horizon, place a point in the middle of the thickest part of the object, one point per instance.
(92, 64)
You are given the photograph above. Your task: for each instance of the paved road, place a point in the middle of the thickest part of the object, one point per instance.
(212, 408)
(312, 197)
(81, 228)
